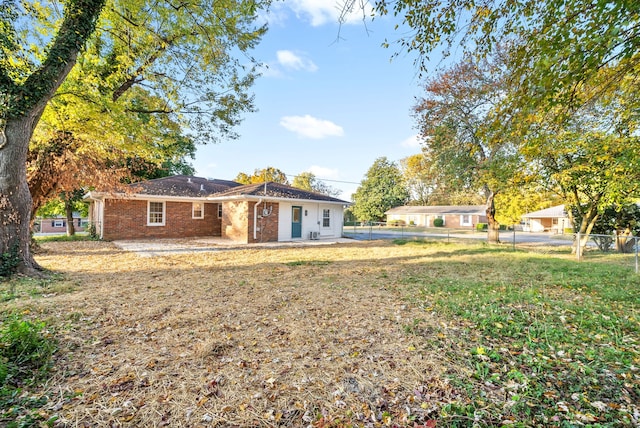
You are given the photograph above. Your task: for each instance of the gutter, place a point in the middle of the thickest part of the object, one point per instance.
(255, 220)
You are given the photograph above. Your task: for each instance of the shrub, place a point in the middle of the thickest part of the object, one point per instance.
(503, 227)
(481, 227)
(92, 230)
(438, 222)
(396, 223)
(25, 350)
(9, 261)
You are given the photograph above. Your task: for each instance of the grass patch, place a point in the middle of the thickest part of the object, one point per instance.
(21, 287)
(545, 340)
(26, 348)
(65, 238)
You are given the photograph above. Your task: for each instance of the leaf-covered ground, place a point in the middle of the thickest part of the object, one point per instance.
(361, 334)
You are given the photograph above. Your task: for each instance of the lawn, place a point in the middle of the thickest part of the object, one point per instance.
(407, 334)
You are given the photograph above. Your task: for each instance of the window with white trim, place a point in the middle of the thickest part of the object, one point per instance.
(58, 223)
(155, 213)
(197, 210)
(326, 218)
(465, 220)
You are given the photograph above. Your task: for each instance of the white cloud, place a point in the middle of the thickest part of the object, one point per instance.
(322, 172)
(293, 61)
(412, 142)
(320, 12)
(310, 127)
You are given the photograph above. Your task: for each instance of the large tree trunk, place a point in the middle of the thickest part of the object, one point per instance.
(23, 104)
(589, 218)
(68, 209)
(493, 231)
(15, 199)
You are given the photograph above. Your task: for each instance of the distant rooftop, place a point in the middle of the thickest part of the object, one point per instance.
(553, 212)
(439, 209)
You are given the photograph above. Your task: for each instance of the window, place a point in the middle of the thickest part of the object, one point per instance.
(326, 218)
(197, 210)
(58, 223)
(219, 210)
(465, 220)
(155, 214)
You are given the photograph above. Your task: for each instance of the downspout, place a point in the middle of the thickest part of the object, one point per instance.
(255, 220)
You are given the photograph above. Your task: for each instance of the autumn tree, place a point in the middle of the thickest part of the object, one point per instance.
(454, 119)
(382, 189)
(262, 175)
(560, 45)
(184, 55)
(308, 181)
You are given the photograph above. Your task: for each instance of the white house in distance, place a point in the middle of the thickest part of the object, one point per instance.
(454, 216)
(554, 219)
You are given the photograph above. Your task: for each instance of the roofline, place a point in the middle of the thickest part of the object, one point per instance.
(105, 195)
(273, 199)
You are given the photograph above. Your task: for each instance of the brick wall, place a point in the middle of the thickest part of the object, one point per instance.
(267, 226)
(127, 219)
(237, 222)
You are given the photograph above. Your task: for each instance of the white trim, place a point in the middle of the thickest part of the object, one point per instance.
(193, 210)
(164, 213)
(463, 223)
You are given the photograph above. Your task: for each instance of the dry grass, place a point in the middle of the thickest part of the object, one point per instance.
(271, 337)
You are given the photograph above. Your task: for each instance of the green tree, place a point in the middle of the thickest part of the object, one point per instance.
(560, 45)
(454, 119)
(382, 189)
(308, 181)
(183, 55)
(263, 175)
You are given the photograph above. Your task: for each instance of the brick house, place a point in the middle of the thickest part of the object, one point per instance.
(183, 206)
(454, 216)
(58, 224)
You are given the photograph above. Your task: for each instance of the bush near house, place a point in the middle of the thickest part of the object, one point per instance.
(482, 227)
(438, 222)
(396, 223)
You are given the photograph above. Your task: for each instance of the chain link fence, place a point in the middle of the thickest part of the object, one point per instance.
(622, 247)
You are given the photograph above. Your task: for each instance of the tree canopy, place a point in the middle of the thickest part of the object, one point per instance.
(262, 175)
(308, 181)
(138, 59)
(382, 189)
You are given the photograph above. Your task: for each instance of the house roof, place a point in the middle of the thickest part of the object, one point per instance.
(182, 186)
(275, 190)
(553, 212)
(439, 209)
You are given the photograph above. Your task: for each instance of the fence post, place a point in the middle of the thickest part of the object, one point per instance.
(636, 242)
(578, 246)
(514, 237)
(370, 230)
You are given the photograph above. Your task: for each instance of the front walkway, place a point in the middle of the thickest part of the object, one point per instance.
(163, 247)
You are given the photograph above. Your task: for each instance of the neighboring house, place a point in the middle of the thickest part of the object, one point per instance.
(182, 206)
(462, 216)
(554, 219)
(58, 224)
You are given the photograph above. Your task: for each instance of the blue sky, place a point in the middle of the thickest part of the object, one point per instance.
(325, 105)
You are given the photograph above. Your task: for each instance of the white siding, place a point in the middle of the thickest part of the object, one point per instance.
(311, 220)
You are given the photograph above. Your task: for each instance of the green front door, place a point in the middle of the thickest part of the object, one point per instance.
(296, 222)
